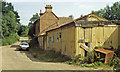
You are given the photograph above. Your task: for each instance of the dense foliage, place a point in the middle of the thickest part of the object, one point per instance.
(23, 31)
(110, 13)
(31, 24)
(71, 16)
(10, 22)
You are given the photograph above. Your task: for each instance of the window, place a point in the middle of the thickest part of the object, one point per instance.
(60, 36)
(53, 39)
(57, 37)
(48, 41)
(49, 38)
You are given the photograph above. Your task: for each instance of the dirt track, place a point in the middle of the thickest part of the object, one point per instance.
(22, 60)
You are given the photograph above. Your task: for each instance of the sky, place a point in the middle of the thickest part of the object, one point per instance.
(62, 8)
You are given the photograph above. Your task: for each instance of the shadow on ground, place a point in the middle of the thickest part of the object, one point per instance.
(26, 53)
(14, 46)
(30, 56)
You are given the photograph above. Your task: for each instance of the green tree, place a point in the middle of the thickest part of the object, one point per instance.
(71, 16)
(23, 31)
(81, 15)
(9, 24)
(110, 13)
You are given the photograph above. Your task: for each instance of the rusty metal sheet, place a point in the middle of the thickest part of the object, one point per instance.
(108, 54)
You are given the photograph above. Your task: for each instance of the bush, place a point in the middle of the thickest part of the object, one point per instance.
(91, 60)
(87, 61)
(76, 60)
(90, 57)
(10, 40)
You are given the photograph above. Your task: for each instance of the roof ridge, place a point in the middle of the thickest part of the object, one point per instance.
(88, 15)
(64, 17)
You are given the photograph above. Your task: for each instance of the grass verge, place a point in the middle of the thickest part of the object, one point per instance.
(47, 56)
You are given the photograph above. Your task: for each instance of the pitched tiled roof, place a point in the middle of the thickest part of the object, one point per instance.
(64, 19)
(47, 19)
(49, 12)
(60, 22)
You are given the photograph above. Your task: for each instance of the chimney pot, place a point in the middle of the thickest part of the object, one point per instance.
(40, 11)
(48, 8)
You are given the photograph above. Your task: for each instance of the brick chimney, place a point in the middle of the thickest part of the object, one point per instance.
(41, 13)
(48, 8)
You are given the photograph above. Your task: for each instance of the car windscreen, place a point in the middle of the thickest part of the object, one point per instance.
(24, 44)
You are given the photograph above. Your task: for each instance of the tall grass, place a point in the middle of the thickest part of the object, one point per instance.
(44, 55)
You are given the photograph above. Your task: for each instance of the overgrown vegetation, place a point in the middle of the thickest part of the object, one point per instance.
(42, 55)
(49, 55)
(92, 60)
(11, 26)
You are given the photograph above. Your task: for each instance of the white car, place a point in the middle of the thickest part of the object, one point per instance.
(24, 46)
